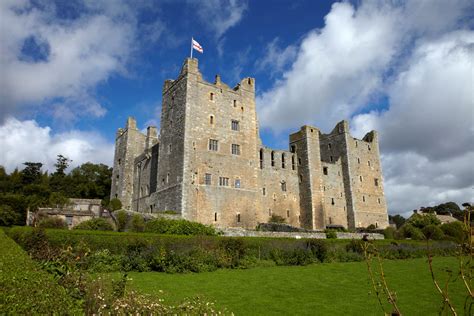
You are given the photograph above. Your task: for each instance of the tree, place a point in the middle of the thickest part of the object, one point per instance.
(90, 181)
(397, 219)
(31, 173)
(8, 216)
(61, 165)
(114, 205)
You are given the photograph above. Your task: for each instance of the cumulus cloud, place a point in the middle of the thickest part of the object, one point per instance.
(277, 58)
(23, 141)
(44, 58)
(403, 53)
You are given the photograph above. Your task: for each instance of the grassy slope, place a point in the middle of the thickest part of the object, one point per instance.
(323, 289)
(25, 288)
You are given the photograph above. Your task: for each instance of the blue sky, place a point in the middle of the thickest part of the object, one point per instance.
(72, 71)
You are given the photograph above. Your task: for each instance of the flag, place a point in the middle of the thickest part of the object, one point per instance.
(197, 46)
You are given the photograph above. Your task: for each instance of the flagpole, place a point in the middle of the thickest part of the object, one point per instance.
(191, 47)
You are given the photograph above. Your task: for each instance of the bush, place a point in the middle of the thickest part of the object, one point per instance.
(104, 261)
(52, 222)
(356, 246)
(319, 249)
(331, 234)
(95, 224)
(122, 219)
(114, 205)
(389, 232)
(8, 217)
(410, 231)
(433, 232)
(138, 223)
(178, 227)
(455, 231)
(421, 221)
(276, 219)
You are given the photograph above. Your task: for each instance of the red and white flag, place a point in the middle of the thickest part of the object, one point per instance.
(197, 46)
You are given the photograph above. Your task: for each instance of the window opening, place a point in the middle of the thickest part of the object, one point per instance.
(376, 182)
(213, 145)
(223, 181)
(325, 171)
(237, 183)
(287, 213)
(208, 179)
(261, 158)
(235, 125)
(211, 119)
(238, 218)
(273, 158)
(293, 162)
(215, 217)
(283, 161)
(235, 149)
(211, 96)
(283, 186)
(332, 201)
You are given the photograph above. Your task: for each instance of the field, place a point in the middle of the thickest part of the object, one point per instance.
(319, 289)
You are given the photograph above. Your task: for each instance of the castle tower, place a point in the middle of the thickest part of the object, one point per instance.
(129, 143)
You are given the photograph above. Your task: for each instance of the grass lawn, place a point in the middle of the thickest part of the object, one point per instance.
(320, 289)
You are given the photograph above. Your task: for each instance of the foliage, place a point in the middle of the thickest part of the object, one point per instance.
(433, 232)
(331, 234)
(121, 218)
(114, 205)
(397, 219)
(95, 224)
(412, 232)
(389, 232)
(178, 227)
(448, 208)
(26, 289)
(420, 221)
(276, 219)
(319, 249)
(7, 216)
(138, 223)
(52, 222)
(455, 231)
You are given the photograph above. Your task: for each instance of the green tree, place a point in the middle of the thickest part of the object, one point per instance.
(31, 173)
(61, 165)
(138, 224)
(397, 219)
(114, 205)
(8, 216)
(121, 219)
(90, 181)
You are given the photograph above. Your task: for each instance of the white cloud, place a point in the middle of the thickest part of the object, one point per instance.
(416, 53)
(277, 58)
(219, 15)
(65, 60)
(23, 141)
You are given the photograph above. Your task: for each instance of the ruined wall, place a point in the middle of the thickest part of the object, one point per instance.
(129, 143)
(224, 116)
(279, 188)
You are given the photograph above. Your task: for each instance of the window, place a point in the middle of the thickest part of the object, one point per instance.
(235, 149)
(341, 194)
(368, 163)
(207, 179)
(237, 183)
(211, 96)
(223, 182)
(368, 147)
(283, 186)
(235, 125)
(213, 145)
(274, 196)
(301, 178)
(376, 182)
(356, 144)
(261, 158)
(171, 123)
(235, 103)
(358, 160)
(360, 178)
(293, 162)
(287, 213)
(325, 171)
(238, 218)
(273, 158)
(363, 198)
(293, 148)
(264, 191)
(119, 161)
(378, 200)
(211, 119)
(299, 161)
(69, 220)
(329, 146)
(117, 176)
(283, 161)
(331, 158)
(269, 212)
(169, 149)
(167, 178)
(215, 217)
(332, 201)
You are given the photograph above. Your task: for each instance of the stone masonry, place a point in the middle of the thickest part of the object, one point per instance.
(208, 164)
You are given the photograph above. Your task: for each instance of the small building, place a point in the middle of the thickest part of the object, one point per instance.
(76, 212)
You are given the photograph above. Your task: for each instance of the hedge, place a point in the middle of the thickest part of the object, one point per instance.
(25, 288)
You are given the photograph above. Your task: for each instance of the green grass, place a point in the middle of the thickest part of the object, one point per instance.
(321, 289)
(25, 288)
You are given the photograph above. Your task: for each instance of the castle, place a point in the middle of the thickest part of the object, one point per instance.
(208, 164)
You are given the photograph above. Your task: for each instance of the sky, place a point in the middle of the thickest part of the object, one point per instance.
(71, 72)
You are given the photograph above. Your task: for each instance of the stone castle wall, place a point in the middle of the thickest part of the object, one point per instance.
(208, 164)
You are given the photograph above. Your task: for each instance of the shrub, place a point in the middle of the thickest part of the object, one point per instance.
(104, 261)
(433, 232)
(420, 221)
(331, 234)
(410, 231)
(122, 219)
(95, 224)
(356, 246)
(114, 205)
(276, 219)
(178, 227)
(389, 232)
(319, 249)
(455, 231)
(8, 217)
(138, 223)
(52, 222)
